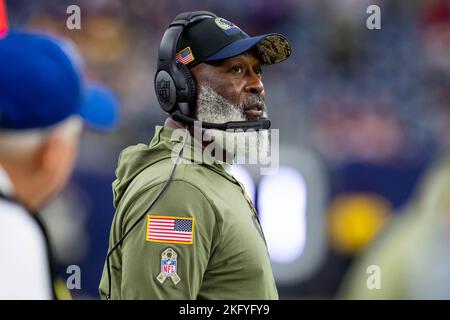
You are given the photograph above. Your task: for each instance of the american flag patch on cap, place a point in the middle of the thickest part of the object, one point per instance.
(184, 56)
(170, 229)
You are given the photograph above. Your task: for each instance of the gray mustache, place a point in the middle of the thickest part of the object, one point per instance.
(253, 100)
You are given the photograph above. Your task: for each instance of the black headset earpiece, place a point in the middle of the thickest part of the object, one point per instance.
(174, 83)
(190, 91)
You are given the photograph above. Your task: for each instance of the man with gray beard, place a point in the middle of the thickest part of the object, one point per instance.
(184, 227)
(232, 146)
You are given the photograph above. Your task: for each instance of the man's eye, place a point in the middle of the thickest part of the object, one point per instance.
(237, 68)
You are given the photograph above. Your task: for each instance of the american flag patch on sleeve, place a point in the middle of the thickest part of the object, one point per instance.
(184, 56)
(170, 229)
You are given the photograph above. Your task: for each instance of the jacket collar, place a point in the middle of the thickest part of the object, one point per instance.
(193, 150)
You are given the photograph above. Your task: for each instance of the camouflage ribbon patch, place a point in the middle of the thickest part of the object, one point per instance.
(168, 267)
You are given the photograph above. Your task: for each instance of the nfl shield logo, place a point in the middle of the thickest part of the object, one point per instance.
(163, 88)
(169, 266)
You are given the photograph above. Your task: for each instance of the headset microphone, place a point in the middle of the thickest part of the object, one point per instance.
(260, 124)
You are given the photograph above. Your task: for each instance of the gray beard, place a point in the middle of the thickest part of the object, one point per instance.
(240, 147)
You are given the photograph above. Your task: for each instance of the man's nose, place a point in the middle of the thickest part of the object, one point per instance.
(254, 84)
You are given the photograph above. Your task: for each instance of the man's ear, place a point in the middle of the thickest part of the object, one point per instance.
(51, 152)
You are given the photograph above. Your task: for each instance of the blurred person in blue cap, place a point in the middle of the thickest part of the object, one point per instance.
(44, 103)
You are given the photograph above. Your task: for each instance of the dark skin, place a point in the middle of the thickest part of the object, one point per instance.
(235, 78)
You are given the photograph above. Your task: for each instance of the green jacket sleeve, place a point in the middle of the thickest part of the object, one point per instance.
(146, 266)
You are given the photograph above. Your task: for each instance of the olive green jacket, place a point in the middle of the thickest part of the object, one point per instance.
(202, 238)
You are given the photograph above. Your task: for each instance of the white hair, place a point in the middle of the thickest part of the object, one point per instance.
(242, 146)
(20, 142)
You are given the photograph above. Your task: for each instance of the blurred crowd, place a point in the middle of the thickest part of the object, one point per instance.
(358, 94)
(374, 105)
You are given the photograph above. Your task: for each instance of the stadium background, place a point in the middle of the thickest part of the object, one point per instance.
(361, 114)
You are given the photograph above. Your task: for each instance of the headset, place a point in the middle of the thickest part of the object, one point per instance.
(175, 90)
(175, 85)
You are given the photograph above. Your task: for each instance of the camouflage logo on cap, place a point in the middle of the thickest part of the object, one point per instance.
(273, 49)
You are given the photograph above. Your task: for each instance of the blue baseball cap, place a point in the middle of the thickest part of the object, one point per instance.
(42, 83)
(215, 38)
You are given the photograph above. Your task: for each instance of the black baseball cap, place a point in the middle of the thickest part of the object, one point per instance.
(212, 39)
